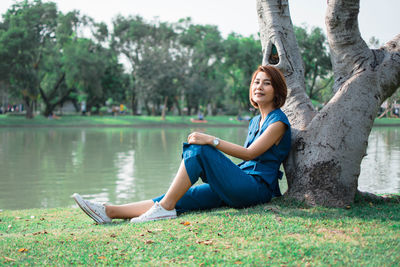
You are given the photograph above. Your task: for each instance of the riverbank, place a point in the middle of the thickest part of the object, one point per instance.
(139, 121)
(119, 121)
(281, 233)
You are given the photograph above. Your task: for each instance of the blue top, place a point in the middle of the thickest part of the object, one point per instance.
(266, 166)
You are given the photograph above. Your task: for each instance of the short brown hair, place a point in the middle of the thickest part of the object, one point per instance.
(278, 83)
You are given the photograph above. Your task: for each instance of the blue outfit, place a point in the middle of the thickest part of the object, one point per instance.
(227, 184)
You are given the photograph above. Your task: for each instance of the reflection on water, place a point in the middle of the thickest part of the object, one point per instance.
(42, 167)
(380, 169)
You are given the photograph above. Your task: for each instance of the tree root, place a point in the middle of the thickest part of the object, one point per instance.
(368, 197)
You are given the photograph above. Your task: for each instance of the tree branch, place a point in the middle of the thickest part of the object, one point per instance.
(276, 30)
(389, 73)
(349, 52)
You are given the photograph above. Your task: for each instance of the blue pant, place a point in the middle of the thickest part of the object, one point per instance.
(225, 184)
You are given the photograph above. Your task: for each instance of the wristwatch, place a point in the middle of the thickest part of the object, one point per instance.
(216, 142)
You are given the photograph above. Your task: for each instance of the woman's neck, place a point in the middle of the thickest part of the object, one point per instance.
(264, 111)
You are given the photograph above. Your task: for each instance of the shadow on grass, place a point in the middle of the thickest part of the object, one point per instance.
(363, 208)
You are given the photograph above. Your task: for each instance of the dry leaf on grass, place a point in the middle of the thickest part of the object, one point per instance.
(8, 259)
(22, 250)
(38, 233)
(149, 242)
(185, 223)
(204, 242)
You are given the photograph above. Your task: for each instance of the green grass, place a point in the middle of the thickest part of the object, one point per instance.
(281, 233)
(387, 122)
(126, 120)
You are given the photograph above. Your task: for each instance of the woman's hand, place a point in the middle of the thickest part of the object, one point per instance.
(196, 138)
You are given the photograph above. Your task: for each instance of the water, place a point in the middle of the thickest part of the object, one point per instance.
(42, 167)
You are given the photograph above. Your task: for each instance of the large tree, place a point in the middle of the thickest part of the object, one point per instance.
(26, 32)
(328, 146)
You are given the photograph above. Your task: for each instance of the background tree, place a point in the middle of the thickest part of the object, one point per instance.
(26, 32)
(202, 50)
(53, 88)
(316, 59)
(242, 57)
(328, 146)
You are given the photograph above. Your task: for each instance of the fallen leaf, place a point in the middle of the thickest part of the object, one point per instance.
(38, 233)
(238, 262)
(191, 257)
(205, 242)
(113, 235)
(22, 250)
(8, 259)
(185, 223)
(17, 218)
(149, 242)
(101, 258)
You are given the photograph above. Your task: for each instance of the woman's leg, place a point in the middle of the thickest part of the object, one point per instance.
(128, 211)
(178, 188)
(180, 185)
(232, 185)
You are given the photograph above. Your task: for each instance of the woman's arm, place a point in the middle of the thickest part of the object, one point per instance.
(272, 135)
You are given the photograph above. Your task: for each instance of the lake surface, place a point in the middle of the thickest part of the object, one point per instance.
(42, 167)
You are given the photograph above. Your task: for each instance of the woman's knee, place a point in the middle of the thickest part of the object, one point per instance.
(192, 150)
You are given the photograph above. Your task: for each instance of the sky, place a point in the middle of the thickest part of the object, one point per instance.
(240, 16)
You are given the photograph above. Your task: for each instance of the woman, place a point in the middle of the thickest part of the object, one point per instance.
(252, 182)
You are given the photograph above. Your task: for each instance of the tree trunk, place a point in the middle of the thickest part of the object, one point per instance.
(328, 146)
(164, 108)
(48, 99)
(28, 107)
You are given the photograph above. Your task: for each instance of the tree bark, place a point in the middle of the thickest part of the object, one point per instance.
(28, 107)
(164, 109)
(324, 164)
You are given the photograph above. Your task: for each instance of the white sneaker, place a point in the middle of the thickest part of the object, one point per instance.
(94, 210)
(156, 212)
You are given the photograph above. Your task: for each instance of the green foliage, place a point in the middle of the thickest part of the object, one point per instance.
(27, 29)
(317, 64)
(242, 57)
(50, 57)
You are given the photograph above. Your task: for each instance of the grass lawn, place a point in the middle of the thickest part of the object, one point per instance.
(387, 122)
(125, 120)
(129, 120)
(281, 233)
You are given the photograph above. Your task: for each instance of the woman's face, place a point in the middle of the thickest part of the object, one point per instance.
(262, 90)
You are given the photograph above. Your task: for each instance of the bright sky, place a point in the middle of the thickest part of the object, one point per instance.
(379, 20)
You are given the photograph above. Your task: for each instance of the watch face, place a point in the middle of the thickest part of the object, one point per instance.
(216, 142)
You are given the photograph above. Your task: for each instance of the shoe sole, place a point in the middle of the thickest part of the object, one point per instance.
(154, 219)
(78, 199)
